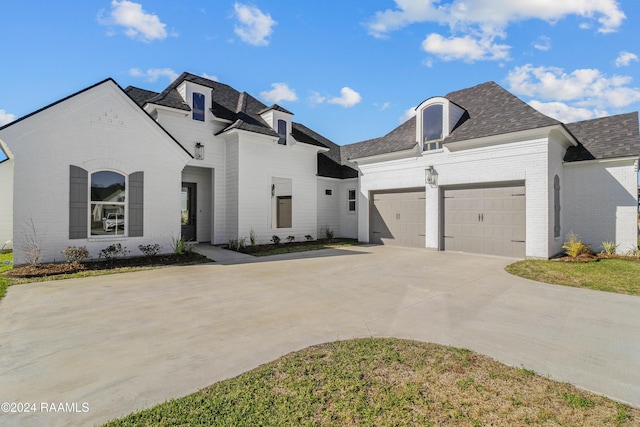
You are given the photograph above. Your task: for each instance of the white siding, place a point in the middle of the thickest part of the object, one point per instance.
(6, 202)
(232, 189)
(329, 206)
(518, 161)
(100, 128)
(602, 202)
(260, 160)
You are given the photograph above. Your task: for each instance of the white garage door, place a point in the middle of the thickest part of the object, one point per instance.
(398, 218)
(485, 220)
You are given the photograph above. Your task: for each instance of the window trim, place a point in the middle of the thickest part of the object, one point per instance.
(124, 205)
(350, 200)
(193, 107)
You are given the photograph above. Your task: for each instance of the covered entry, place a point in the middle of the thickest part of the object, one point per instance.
(487, 220)
(397, 217)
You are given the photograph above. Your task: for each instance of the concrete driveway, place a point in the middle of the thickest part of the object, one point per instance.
(110, 345)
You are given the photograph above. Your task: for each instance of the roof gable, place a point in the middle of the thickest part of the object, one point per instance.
(605, 137)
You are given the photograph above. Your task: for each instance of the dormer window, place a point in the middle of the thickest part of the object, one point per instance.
(282, 131)
(436, 119)
(198, 106)
(432, 128)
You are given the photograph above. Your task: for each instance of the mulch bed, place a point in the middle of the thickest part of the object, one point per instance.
(248, 249)
(594, 258)
(43, 270)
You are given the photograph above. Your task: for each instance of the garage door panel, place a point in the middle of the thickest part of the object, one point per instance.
(398, 218)
(485, 220)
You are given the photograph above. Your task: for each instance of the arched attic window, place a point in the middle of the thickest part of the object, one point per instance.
(437, 118)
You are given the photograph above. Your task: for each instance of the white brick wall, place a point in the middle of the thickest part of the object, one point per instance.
(518, 161)
(6, 202)
(602, 202)
(97, 129)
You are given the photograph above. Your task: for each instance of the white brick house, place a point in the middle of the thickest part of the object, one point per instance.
(477, 170)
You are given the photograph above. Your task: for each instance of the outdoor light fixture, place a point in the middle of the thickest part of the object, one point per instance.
(431, 176)
(199, 151)
(273, 190)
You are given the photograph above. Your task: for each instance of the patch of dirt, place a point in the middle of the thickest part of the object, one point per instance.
(27, 271)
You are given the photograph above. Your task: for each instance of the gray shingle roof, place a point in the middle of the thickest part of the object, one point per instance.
(401, 138)
(493, 111)
(330, 164)
(606, 137)
(140, 96)
(277, 108)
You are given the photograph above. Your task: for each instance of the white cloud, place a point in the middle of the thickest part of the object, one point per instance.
(348, 98)
(475, 25)
(566, 113)
(493, 13)
(280, 92)
(624, 59)
(210, 77)
(6, 118)
(316, 98)
(137, 23)
(543, 43)
(580, 89)
(254, 26)
(382, 106)
(153, 74)
(408, 113)
(465, 48)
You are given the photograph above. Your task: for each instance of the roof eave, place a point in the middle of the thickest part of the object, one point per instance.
(507, 137)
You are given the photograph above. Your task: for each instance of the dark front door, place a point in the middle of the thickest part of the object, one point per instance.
(188, 211)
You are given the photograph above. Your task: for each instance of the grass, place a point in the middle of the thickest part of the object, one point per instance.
(6, 260)
(371, 382)
(287, 248)
(609, 275)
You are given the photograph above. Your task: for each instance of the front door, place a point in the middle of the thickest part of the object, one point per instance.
(188, 211)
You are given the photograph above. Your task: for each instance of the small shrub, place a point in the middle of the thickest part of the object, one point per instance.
(237, 244)
(308, 237)
(634, 253)
(291, 239)
(150, 250)
(181, 246)
(275, 239)
(575, 247)
(252, 237)
(75, 254)
(327, 232)
(609, 248)
(114, 251)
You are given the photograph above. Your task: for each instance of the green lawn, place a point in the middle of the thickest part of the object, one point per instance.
(610, 275)
(386, 382)
(5, 265)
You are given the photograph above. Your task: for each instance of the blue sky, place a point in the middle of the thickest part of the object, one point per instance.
(351, 70)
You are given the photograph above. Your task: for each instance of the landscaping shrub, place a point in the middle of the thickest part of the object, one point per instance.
(327, 232)
(252, 237)
(609, 248)
(574, 246)
(75, 254)
(150, 250)
(308, 237)
(181, 246)
(291, 239)
(114, 251)
(237, 244)
(275, 239)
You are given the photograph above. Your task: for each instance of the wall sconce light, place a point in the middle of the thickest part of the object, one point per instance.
(431, 176)
(199, 151)
(273, 190)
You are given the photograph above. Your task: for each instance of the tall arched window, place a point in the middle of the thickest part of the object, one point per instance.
(107, 210)
(432, 127)
(198, 106)
(556, 206)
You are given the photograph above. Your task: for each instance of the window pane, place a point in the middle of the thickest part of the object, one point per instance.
(432, 123)
(282, 131)
(352, 194)
(198, 106)
(352, 205)
(107, 186)
(107, 219)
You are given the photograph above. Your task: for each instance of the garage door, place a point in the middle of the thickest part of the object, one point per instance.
(485, 220)
(398, 218)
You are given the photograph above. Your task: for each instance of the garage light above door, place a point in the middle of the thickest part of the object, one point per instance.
(431, 176)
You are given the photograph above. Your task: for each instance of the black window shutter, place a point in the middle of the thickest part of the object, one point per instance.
(136, 204)
(78, 203)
